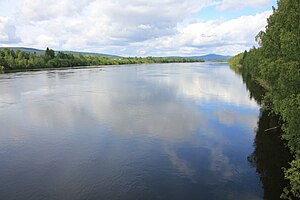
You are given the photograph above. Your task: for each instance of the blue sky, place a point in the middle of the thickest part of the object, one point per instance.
(135, 27)
(212, 13)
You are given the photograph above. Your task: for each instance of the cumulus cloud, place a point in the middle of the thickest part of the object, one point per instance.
(102, 22)
(218, 33)
(37, 10)
(214, 36)
(7, 31)
(130, 27)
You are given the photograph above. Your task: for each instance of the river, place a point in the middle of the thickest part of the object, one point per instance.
(159, 131)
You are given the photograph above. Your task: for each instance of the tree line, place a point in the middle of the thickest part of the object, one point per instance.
(19, 60)
(276, 66)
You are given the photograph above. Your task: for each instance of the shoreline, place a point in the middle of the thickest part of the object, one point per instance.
(3, 71)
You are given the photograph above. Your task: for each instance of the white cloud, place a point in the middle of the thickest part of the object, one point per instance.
(91, 24)
(129, 27)
(7, 31)
(37, 10)
(213, 34)
(216, 36)
(237, 4)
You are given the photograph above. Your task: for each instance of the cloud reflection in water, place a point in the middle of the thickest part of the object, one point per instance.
(194, 107)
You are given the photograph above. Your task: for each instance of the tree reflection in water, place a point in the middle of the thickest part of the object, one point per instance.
(270, 156)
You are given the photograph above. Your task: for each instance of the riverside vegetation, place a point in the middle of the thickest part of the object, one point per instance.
(11, 60)
(276, 66)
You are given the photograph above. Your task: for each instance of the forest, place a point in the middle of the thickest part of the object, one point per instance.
(11, 60)
(275, 65)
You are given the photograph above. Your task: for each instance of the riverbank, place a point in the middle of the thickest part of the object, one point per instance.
(286, 107)
(277, 62)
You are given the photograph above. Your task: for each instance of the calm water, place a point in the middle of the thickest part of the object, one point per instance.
(165, 131)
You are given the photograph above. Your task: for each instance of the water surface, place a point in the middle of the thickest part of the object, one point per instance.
(160, 131)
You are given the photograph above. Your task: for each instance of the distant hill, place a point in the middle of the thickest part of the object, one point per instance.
(208, 57)
(212, 57)
(30, 50)
(40, 52)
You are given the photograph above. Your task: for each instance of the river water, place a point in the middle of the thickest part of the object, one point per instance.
(159, 131)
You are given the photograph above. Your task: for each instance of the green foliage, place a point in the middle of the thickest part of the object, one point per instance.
(235, 62)
(277, 63)
(11, 60)
(292, 174)
(49, 54)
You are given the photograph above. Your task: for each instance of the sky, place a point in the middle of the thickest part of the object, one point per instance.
(135, 27)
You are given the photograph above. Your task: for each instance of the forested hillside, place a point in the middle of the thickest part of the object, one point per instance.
(19, 60)
(276, 65)
(42, 52)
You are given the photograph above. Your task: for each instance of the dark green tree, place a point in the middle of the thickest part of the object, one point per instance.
(49, 54)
